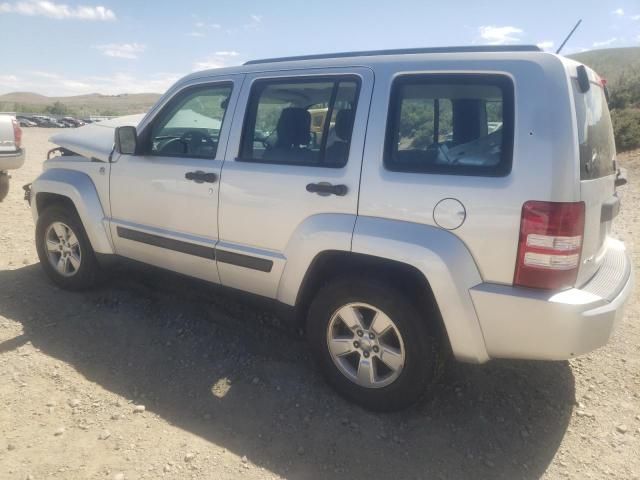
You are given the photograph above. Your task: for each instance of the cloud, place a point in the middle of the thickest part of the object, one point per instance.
(122, 50)
(546, 45)
(200, 28)
(55, 84)
(57, 11)
(635, 17)
(8, 79)
(619, 12)
(256, 21)
(500, 35)
(217, 60)
(605, 43)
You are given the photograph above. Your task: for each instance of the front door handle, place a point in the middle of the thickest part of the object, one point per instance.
(324, 189)
(201, 177)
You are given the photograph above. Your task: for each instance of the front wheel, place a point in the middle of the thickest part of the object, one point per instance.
(373, 344)
(64, 250)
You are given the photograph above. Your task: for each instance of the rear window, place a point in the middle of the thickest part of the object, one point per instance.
(595, 133)
(451, 124)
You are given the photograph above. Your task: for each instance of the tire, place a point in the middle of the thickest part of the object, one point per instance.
(4, 185)
(82, 270)
(418, 339)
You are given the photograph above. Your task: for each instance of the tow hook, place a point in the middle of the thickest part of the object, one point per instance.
(27, 192)
(621, 177)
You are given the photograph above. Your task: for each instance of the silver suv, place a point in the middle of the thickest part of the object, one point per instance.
(405, 205)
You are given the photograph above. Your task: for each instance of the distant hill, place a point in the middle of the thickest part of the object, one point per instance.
(81, 105)
(612, 63)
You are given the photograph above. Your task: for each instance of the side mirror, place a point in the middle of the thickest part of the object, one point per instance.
(126, 140)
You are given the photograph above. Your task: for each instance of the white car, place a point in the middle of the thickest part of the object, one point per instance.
(452, 201)
(11, 152)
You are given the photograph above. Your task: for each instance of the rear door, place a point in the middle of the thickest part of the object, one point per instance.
(597, 154)
(293, 156)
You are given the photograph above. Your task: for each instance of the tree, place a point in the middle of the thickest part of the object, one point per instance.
(58, 108)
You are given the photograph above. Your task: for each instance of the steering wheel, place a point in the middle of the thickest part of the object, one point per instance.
(193, 140)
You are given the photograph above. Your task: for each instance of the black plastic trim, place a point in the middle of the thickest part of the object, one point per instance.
(246, 261)
(210, 253)
(168, 243)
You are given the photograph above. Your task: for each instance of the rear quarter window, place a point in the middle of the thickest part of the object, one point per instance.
(595, 132)
(458, 124)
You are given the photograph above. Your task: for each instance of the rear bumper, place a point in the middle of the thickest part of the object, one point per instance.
(532, 324)
(12, 160)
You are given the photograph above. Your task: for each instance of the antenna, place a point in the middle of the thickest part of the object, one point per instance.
(569, 36)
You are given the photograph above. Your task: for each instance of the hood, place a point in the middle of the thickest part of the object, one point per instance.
(96, 139)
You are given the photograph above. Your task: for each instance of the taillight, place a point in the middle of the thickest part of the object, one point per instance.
(550, 244)
(17, 133)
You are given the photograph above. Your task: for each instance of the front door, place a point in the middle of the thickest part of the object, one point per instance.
(164, 200)
(292, 167)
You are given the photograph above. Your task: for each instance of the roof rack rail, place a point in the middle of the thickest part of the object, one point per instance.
(403, 51)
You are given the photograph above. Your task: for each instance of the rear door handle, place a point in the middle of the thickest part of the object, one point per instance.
(324, 189)
(201, 177)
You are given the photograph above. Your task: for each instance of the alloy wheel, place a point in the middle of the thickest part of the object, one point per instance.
(63, 249)
(366, 345)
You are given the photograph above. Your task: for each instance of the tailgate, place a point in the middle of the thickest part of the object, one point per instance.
(7, 143)
(597, 165)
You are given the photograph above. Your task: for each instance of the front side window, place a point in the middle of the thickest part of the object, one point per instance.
(300, 122)
(190, 126)
(451, 124)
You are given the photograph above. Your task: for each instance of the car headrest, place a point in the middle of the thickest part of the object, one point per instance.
(344, 124)
(294, 127)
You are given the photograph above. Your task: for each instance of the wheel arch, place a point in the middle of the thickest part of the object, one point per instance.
(74, 190)
(331, 264)
(435, 263)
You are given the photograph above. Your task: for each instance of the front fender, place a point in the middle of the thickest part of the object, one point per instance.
(446, 264)
(79, 188)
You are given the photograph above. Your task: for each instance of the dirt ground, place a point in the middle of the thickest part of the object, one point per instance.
(229, 392)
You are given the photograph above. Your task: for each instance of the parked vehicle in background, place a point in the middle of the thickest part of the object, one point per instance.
(26, 122)
(11, 151)
(462, 206)
(74, 122)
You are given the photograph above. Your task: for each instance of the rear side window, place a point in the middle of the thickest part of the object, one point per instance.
(305, 121)
(595, 133)
(451, 124)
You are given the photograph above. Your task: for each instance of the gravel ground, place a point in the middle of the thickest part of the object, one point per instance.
(152, 376)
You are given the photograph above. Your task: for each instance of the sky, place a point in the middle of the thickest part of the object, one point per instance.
(72, 47)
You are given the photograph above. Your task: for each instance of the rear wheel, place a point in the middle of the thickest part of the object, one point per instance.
(373, 344)
(64, 250)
